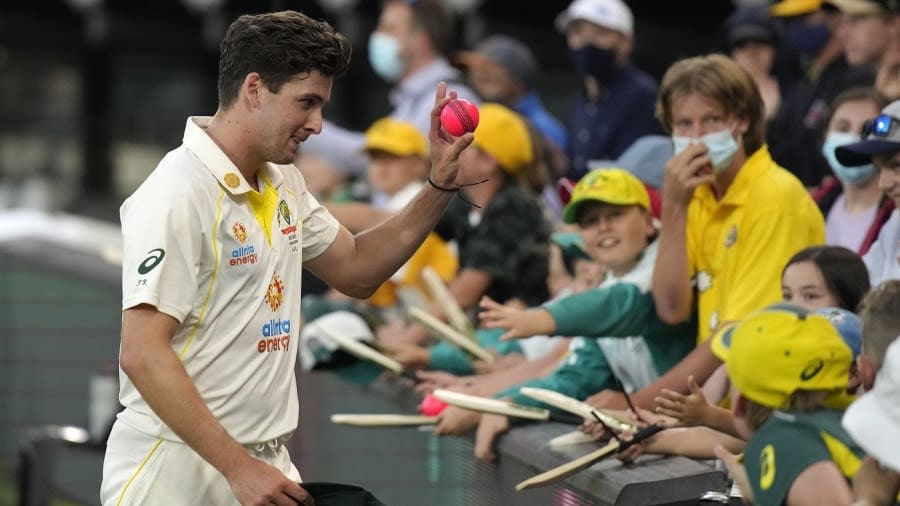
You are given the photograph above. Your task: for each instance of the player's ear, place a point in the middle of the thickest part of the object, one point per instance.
(251, 89)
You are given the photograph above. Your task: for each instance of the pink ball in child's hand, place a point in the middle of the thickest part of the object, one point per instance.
(431, 406)
(459, 116)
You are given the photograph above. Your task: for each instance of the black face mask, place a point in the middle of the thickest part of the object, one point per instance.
(598, 62)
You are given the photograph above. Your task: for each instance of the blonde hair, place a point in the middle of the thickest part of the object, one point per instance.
(718, 78)
(880, 317)
(801, 400)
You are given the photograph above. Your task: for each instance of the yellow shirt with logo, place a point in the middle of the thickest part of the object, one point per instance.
(738, 246)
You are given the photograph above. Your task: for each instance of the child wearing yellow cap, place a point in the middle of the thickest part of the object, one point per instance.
(625, 342)
(789, 371)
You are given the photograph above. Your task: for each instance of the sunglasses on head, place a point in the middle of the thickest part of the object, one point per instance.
(882, 126)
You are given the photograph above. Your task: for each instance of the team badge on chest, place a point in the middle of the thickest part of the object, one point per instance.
(287, 225)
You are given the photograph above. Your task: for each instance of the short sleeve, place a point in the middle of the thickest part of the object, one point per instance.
(319, 226)
(162, 241)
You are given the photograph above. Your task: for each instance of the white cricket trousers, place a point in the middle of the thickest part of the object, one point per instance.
(142, 470)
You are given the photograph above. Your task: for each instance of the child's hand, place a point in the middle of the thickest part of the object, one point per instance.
(489, 428)
(517, 322)
(454, 420)
(607, 399)
(411, 356)
(689, 410)
(431, 380)
(736, 471)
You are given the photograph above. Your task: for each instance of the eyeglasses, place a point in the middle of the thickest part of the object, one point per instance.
(882, 126)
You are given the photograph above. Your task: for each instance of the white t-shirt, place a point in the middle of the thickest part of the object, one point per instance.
(196, 250)
(883, 258)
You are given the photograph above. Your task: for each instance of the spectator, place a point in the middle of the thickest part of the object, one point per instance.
(731, 217)
(615, 104)
(753, 42)
(873, 419)
(409, 48)
(808, 33)
(881, 147)
(504, 70)
(797, 452)
(887, 81)
(794, 132)
(854, 207)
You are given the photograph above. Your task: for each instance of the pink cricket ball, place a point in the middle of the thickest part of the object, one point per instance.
(459, 116)
(431, 406)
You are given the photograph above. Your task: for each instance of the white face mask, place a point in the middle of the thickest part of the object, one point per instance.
(721, 145)
(384, 56)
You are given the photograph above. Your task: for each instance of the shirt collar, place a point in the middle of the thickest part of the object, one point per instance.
(738, 192)
(217, 162)
(423, 80)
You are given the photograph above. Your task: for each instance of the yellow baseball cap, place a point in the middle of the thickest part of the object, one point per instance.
(395, 137)
(503, 134)
(787, 8)
(782, 349)
(610, 185)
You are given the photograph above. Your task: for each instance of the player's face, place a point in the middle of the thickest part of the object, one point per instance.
(614, 236)
(803, 285)
(290, 116)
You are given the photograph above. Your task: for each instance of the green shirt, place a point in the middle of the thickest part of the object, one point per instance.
(619, 308)
(788, 443)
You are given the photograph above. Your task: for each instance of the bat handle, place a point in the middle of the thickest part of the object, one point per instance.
(566, 418)
(641, 435)
(410, 375)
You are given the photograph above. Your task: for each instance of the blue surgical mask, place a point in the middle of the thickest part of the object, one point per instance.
(384, 56)
(721, 145)
(848, 175)
(806, 39)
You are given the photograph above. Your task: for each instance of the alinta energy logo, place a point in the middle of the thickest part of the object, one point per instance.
(243, 254)
(276, 332)
(275, 293)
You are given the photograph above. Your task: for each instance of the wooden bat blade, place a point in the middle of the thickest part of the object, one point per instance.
(450, 334)
(442, 296)
(378, 420)
(576, 407)
(569, 468)
(487, 405)
(360, 350)
(571, 439)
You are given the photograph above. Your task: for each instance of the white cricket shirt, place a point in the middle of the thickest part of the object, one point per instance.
(225, 261)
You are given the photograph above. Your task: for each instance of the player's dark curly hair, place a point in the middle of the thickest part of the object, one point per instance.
(279, 46)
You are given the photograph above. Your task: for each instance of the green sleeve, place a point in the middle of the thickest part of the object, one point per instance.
(776, 455)
(584, 373)
(620, 310)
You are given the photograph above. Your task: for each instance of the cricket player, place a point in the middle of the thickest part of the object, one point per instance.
(214, 243)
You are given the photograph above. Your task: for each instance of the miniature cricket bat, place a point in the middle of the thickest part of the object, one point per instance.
(377, 420)
(570, 468)
(362, 351)
(442, 296)
(576, 437)
(450, 334)
(577, 407)
(500, 407)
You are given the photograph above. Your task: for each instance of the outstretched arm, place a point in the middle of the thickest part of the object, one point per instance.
(358, 265)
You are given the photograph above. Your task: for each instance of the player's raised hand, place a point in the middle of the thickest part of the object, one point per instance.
(259, 484)
(445, 148)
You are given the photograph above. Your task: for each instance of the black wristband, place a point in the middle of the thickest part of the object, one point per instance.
(442, 188)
